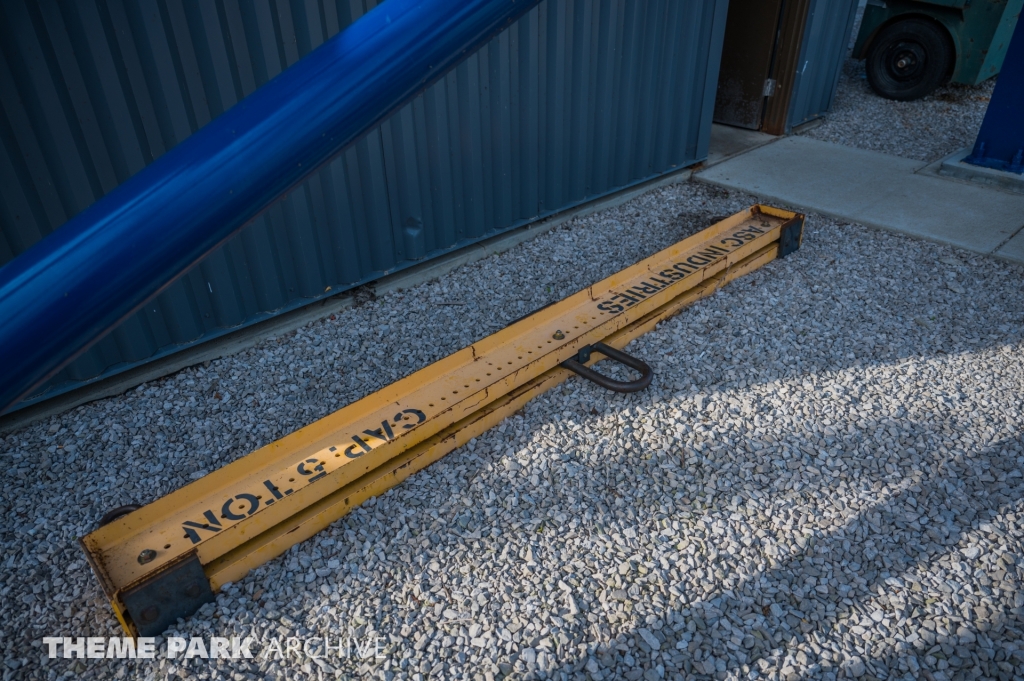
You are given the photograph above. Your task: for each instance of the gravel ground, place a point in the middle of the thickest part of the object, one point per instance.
(824, 480)
(926, 129)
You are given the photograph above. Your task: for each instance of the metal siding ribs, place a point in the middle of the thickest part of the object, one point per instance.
(821, 59)
(577, 99)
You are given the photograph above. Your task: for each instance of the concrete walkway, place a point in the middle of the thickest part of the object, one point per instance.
(880, 191)
(728, 141)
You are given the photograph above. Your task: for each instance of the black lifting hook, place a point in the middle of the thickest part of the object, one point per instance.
(577, 365)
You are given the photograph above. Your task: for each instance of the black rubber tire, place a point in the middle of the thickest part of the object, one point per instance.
(120, 511)
(909, 58)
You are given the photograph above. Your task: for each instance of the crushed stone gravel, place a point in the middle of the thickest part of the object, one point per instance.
(926, 129)
(824, 481)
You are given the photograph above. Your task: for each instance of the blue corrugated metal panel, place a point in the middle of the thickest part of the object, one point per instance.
(824, 49)
(578, 99)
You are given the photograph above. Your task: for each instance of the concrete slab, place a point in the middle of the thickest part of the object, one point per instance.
(727, 141)
(875, 190)
(1013, 249)
(953, 166)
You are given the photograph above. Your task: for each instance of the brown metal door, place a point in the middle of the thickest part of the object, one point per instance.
(750, 34)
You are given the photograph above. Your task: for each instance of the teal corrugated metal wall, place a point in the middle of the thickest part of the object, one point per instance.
(578, 99)
(822, 54)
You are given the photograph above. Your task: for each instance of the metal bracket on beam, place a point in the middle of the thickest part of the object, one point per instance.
(177, 590)
(790, 236)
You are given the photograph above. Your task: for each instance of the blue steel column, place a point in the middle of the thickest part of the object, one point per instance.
(68, 290)
(1000, 142)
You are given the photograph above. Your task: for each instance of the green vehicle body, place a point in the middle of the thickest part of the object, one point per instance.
(980, 30)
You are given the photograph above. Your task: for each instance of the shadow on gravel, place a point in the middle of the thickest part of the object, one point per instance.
(902, 322)
(930, 530)
(828, 320)
(973, 646)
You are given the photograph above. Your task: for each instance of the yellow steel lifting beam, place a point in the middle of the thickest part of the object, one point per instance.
(164, 560)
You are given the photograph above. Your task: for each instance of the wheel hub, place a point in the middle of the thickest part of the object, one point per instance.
(906, 61)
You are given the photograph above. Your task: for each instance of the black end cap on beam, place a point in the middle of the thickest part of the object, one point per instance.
(790, 235)
(178, 590)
